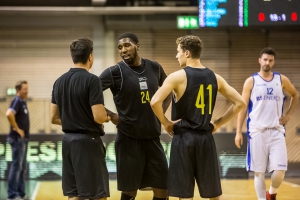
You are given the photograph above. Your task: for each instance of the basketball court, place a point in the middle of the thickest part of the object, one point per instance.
(232, 190)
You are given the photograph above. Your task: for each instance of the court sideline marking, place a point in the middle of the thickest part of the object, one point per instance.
(35, 191)
(291, 184)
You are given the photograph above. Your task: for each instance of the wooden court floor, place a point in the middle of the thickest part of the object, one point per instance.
(232, 190)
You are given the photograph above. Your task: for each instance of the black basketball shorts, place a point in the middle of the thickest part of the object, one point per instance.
(193, 157)
(141, 163)
(84, 168)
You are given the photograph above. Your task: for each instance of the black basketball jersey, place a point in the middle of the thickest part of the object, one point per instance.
(133, 98)
(196, 106)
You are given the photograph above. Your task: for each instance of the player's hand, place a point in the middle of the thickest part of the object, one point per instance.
(216, 127)
(238, 140)
(168, 126)
(20, 132)
(114, 119)
(284, 119)
(108, 119)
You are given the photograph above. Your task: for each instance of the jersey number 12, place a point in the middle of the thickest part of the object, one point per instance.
(200, 98)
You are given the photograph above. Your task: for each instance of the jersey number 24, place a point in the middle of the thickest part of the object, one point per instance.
(145, 97)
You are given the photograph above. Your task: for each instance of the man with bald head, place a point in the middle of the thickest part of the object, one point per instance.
(141, 160)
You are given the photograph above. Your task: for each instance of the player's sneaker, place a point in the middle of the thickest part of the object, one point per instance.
(270, 196)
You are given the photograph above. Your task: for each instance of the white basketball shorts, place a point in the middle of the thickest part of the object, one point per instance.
(267, 151)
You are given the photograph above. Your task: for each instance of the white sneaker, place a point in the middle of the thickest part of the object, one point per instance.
(24, 198)
(16, 198)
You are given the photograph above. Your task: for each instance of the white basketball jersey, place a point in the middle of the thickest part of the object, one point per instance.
(265, 105)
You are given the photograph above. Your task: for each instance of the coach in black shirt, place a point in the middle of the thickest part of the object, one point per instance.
(77, 104)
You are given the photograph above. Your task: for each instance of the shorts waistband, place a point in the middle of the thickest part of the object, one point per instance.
(269, 129)
(83, 135)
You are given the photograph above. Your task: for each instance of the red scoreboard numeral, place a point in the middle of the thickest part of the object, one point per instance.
(294, 16)
(261, 17)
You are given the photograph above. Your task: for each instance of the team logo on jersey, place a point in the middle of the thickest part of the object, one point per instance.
(268, 97)
(25, 109)
(142, 79)
(258, 98)
(143, 85)
(272, 97)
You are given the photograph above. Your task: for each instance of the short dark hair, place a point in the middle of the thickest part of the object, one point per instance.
(191, 43)
(80, 50)
(268, 50)
(19, 84)
(130, 35)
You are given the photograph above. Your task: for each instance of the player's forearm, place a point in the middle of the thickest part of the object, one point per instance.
(159, 112)
(167, 102)
(12, 120)
(230, 113)
(293, 104)
(240, 120)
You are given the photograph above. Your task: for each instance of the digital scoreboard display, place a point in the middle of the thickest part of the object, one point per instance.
(245, 13)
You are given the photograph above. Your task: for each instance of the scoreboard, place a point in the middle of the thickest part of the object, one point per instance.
(247, 13)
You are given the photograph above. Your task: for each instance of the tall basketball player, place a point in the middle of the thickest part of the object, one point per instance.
(141, 160)
(264, 95)
(193, 152)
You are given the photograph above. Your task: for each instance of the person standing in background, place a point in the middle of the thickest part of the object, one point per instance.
(264, 95)
(18, 117)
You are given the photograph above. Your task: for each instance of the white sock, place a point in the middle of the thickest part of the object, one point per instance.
(260, 185)
(273, 190)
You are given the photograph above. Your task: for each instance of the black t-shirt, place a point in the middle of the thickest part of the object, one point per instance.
(75, 92)
(19, 107)
(196, 106)
(133, 88)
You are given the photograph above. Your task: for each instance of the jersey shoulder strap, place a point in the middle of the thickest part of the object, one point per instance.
(155, 66)
(115, 72)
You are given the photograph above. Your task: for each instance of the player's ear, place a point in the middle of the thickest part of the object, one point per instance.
(91, 57)
(187, 53)
(138, 46)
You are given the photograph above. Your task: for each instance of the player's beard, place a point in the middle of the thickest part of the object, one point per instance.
(266, 68)
(130, 61)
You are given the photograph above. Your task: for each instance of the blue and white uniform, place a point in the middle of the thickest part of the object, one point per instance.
(266, 137)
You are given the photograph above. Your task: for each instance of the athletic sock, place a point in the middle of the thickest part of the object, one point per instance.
(127, 197)
(273, 190)
(155, 198)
